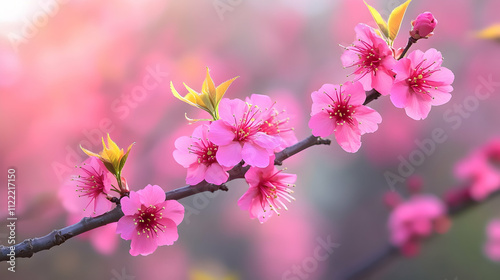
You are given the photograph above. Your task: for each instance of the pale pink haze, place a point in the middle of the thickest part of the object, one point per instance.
(198, 155)
(239, 135)
(423, 26)
(372, 59)
(492, 246)
(478, 168)
(93, 185)
(268, 191)
(339, 109)
(420, 83)
(149, 220)
(414, 219)
(276, 121)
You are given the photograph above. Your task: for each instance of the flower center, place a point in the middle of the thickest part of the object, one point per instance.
(205, 150)
(273, 193)
(249, 125)
(148, 221)
(340, 111)
(369, 58)
(91, 183)
(418, 81)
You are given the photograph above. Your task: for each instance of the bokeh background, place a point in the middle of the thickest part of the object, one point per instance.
(73, 70)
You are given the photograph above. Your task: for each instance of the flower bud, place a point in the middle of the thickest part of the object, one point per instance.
(423, 26)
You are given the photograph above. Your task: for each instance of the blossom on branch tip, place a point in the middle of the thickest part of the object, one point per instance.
(198, 155)
(269, 188)
(209, 98)
(372, 59)
(149, 220)
(239, 135)
(420, 83)
(93, 184)
(339, 109)
(423, 26)
(112, 156)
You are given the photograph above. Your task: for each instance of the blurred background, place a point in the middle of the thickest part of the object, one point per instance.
(73, 70)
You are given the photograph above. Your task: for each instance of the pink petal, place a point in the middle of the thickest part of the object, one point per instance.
(151, 195)
(101, 205)
(266, 141)
(382, 81)
(229, 110)
(255, 155)
(321, 124)
(216, 174)
(262, 101)
(142, 245)
(173, 210)
(322, 98)
(169, 234)
(131, 204)
(229, 155)
(356, 92)
(418, 106)
(126, 227)
(400, 93)
(246, 199)
(402, 69)
(368, 119)
(196, 173)
(349, 138)
(439, 98)
(220, 133)
(184, 158)
(442, 77)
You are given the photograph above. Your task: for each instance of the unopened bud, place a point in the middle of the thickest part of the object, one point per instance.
(423, 26)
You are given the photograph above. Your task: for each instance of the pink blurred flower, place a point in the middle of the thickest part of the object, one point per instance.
(93, 185)
(238, 133)
(414, 219)
(420, 83)
(340, 109)
(478, 168)
(198, 154)
(372, 58)
(268, 188)
(276, 121)
(492, 246)
(423, 26)
(149, 220)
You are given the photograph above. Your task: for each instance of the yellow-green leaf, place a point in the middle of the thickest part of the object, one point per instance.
(382, 25)
(491, 32)
(395, 19)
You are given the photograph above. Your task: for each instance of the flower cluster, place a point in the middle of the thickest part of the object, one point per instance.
(415, 82)
(149, 220)
(414, 219)
(250, 131)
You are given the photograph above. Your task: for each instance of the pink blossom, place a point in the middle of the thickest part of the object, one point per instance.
(415, 219)
(198, 155)
(492, 246)
(423, 26)
(420, 83)
(268, 188)
(149, 220)
(372, 59)
(93, 185)
(238, 133)
(479, 170)
(340, 109)
(276, 121)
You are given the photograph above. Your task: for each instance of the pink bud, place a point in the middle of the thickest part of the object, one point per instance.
(423, 26)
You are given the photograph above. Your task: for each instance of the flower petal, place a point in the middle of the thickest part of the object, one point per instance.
(229, 155)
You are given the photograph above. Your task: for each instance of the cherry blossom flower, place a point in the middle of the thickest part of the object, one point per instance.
(479, 168)
(239, 135)
(492, 246)
(276, 121)
(372, 58)
(198, 155)
(93, 186)
(420, 83)
(340, 109)
(414, 219)
(423, 26)
(149, 220)
(268, 190)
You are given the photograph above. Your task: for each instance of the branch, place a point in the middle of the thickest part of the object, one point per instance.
(28, 247)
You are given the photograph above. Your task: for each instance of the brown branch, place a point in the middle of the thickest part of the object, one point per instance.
(28, 247)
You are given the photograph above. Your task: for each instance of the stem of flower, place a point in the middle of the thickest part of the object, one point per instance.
(411, 41)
